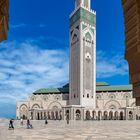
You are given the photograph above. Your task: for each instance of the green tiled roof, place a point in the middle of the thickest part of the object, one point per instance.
(51, 90)
(113, 88)
(99, 88)
(102, 84)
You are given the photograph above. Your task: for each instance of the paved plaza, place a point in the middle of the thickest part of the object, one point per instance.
(79, 130)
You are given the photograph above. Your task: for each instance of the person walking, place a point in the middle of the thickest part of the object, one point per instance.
(29, 125)
(46, 121)
(11, 126)
(21, 122)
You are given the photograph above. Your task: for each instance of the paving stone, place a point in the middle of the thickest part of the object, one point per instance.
(80, 130)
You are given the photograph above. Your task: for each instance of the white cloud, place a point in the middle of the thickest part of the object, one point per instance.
(17, 25)
(23, 25)
(26, 67)
(110, 64)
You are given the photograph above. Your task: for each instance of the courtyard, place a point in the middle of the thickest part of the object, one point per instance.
(78, 130)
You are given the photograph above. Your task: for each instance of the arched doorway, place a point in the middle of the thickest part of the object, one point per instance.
(105, 115)
(78, 114)
(52, 115)
(110, 115)
(38, 116)
(130, 115)
(24, 117)
(121, 115)
(88, 115)
(56, 115)
(94, 115)
(99, 115)
(116, 115)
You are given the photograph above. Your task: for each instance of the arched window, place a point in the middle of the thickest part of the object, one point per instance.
(88, 117)
(121, 115)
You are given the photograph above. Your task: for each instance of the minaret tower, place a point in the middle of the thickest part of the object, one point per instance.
(82, 55)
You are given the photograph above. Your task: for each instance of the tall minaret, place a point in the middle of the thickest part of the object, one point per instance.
(82, 55)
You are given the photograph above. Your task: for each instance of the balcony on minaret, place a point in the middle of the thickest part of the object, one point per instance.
(84, 3)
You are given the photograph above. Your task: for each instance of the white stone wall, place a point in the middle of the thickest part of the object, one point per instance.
(105, 101)
(114, 100)
(42, 102)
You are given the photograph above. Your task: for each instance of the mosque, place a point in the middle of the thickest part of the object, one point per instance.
(83, 98)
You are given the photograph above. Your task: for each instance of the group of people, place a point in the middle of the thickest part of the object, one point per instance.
(11, 124)
(28, 123)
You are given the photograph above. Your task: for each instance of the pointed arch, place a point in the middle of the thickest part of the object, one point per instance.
(55, 104)
(88, 36)
(23, 111)
(87, 31)
(35, 106)
(112, 103)
(75, 33)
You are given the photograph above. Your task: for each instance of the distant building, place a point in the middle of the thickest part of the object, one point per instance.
(4, 19)
(132, 31)
(83, 99)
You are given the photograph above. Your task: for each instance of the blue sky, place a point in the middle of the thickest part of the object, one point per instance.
(36, 55)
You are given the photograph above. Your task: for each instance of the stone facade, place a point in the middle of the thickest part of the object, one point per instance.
(112, 103)
(132, 30)
(4, 17)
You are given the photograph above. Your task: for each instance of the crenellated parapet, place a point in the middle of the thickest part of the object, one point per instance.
(4, 18)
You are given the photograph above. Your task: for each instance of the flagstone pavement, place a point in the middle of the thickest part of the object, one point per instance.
(79, 130)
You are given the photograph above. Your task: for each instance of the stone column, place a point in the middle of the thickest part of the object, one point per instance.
(63, 114)
(132, 54)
